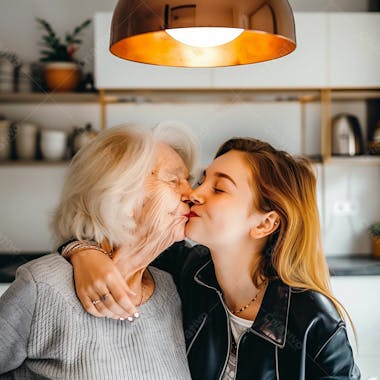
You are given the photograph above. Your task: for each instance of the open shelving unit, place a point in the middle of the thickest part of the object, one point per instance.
(348, 96)
(325, 97)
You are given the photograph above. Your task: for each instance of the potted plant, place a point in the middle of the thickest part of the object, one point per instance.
(375, 233)
(62, 71)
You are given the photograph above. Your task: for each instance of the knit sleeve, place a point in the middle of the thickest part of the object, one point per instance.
(16, 313)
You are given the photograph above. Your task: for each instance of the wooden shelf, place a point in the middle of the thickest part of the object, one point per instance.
(37, 163)
(116, 96)
(354, 160)
(355, 94)
(193, 96)
(49, 97)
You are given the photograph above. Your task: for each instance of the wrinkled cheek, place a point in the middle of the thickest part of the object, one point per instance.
(168, 198)
(158, 210)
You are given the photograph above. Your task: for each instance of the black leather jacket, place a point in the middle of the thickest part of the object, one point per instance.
(297, 334)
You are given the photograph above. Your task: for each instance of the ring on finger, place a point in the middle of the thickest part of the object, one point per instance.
(94, 302)
(104, 297)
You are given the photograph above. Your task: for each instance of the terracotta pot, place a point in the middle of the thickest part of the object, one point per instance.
(62, 76)
(376, 247)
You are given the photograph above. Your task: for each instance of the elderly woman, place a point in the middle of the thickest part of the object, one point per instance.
(127, 185)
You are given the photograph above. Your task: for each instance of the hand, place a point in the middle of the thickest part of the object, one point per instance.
(96, 275)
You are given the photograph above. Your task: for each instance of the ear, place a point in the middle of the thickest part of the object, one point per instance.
(266, 225)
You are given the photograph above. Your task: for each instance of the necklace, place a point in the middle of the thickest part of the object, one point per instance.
(251, 301)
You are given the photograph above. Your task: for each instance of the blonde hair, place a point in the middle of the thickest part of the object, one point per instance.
(105, 181)
(288, 186)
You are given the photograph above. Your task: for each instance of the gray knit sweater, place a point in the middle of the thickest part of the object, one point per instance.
(45, 332)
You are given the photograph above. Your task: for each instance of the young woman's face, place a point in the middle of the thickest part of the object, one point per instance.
(222, 213)
(167, 192)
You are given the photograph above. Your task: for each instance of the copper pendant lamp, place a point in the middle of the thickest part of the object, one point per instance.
(203, 33)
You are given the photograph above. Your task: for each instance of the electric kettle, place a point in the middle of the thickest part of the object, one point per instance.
(346, 136)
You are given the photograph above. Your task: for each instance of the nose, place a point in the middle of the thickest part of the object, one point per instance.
(196, 196)
(185, 191)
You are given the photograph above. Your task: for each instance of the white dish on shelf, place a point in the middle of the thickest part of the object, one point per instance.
(53, 144)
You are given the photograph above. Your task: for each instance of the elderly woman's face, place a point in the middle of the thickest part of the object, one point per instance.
(166, 206)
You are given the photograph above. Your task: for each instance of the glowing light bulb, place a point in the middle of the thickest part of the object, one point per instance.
(204, 36)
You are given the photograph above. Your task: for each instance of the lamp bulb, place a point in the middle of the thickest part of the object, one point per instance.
(204, 36)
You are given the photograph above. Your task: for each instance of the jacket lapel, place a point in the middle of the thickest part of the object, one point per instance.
(272, 320)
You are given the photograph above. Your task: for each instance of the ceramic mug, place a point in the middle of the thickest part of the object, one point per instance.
(5, 143)
(53, 144)
(26, 141)
(376, 133)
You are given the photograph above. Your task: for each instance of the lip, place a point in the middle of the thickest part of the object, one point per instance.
(192, 214)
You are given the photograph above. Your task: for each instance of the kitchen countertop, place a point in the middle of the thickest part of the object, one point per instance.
(9, 262)
(363, 265)
(356, 265)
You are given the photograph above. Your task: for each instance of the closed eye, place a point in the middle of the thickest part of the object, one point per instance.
(200, 181)
(173, 180)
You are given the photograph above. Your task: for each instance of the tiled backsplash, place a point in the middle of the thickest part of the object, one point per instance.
(351, 204)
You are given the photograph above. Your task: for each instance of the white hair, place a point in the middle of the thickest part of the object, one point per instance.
(178, 136)
(105, 181)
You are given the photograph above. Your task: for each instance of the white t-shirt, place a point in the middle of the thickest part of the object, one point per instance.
(238, 327)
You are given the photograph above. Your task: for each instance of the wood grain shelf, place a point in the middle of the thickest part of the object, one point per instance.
(355, 94)
(364, 160)
(49, 97)
(33, 163)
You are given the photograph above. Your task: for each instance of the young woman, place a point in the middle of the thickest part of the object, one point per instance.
(256, 302)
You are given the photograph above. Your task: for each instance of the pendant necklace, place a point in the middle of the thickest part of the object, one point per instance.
(235, 312)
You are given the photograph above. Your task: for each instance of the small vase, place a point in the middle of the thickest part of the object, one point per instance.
(5, 141)
(62, 76)
(26, 141)
(376, 247)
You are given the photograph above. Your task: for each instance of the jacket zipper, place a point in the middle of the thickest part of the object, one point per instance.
(196, 335)
(228, 325)
(237, 352)
(228, 335)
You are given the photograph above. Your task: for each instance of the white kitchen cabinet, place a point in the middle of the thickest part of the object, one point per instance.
(114, 73)
(354, 49)
(29, 194)
(306, 67)
(359, 295)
